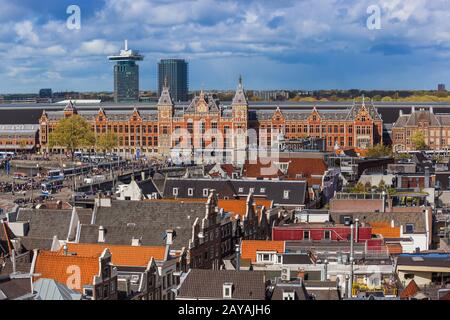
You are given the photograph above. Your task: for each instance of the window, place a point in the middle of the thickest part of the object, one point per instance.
(288, 295)
(227, 287)
(190, 192)
(266, 257)
(205, 192)
(327, 234)
(262, 190)
(286, 194)
(241, 190)
(175, 191)
(409, 228)
(306, 235)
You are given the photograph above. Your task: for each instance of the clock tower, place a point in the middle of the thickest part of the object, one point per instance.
(240, 123)
(165, 116)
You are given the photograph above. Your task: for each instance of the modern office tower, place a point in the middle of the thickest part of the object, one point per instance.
(441, 87)
(126, 75)
(175, 72)
(45, 93)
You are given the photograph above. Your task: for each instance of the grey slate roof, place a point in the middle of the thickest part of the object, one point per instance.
(123, 234)
(232, 188)
(208, 284)
(295, 286)
(14, 288)
(145, 220)
(45, 223)
(413, 119)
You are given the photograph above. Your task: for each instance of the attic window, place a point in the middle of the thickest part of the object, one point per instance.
(262, 190)
(241, 190)
(409, 228)
(288, 295)
(175, 191)
(286, 194)
(205, 192)
(190, 192)
(227, 290)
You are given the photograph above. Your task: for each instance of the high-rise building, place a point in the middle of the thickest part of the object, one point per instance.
(174, 72)
(45, 93)
(441, 87)
(126, 75)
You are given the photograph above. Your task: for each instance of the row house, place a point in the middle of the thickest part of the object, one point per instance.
(143, 272)
(93, 276)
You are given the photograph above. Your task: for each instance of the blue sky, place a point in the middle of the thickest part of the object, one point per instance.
(309, 44)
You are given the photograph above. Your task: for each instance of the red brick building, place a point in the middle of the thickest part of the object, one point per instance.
(226, 132)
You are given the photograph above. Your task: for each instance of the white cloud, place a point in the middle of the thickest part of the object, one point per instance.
(25, 32)
(98, 47)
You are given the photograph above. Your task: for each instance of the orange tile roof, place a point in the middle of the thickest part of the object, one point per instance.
(249, 248)
(385, 229)
(411, 290)
(121, 255)
(394, 248)
(63, 268)
(239, 206)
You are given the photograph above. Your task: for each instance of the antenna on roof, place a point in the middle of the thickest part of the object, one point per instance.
(126, 44)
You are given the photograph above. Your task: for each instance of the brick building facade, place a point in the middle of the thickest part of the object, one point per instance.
(204, 128)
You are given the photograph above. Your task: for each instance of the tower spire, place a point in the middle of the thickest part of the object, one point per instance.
(126, 44)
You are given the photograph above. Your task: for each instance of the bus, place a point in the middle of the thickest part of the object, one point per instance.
(51, 187)
(6, 154)
(55, 174)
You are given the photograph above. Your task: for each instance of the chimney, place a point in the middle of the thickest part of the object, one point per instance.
(392, 223)
(400, 112)
(301, 274)
(169, 237)
(101, 234)
(13, 260)
(325, 270)
(170, 234)
(431, 109)
(356, 229)
(427, 177)
(238, 256)
(136, 242)
(65, 249)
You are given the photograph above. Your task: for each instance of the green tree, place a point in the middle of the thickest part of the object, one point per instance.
(418, 141)
(72, 133)
(107, 141)
(379, 150)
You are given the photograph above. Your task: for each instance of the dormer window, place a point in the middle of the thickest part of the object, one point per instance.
(190, 192)
(227, 290)
(286, 194)
(175, 191)
(205, 192)
(288, 296)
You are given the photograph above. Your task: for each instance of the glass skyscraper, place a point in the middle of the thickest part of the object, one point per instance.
(175, 72)
(126, 75)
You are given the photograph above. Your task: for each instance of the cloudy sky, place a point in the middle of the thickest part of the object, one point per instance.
(309, 44)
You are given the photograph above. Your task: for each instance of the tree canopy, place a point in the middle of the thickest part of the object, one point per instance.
(418, 141)
(107, 141)
(72, 133)
(379, 150)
